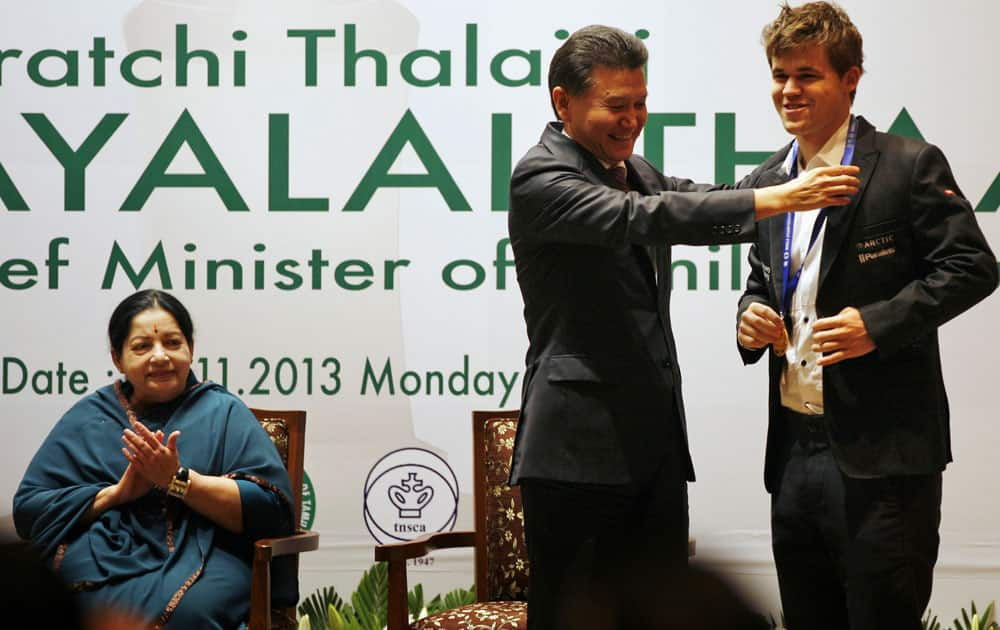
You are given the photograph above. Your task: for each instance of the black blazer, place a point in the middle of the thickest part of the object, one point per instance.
(601, 400)
(909, 255)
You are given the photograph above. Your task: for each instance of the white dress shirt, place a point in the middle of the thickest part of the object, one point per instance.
(802, 379)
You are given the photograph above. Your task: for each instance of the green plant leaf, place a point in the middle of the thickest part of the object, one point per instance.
(415, 600)
(435, 605)
(316, 607)
(988, 622)
(371, 599)
(336, 620)
(351, 621)
(369, 607)
(459, 597)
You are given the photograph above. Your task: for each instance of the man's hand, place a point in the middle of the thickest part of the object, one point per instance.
(843, 336)
(815, 188)
(760, 326)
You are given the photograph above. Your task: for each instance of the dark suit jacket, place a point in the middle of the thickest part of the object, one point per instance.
(909, 256)
(602, 390)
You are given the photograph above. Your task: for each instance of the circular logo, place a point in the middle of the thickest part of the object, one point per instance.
(308, 502)
(408, 493)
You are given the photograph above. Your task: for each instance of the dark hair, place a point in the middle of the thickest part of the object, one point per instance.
(595, 45)
(816, 23)
(121, 319)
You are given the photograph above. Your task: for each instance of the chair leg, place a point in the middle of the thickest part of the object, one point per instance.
(260, 596)
(399, 613)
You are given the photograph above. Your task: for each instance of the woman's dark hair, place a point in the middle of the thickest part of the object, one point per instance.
(121, 320)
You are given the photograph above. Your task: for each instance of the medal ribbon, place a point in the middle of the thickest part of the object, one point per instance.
(789, 284)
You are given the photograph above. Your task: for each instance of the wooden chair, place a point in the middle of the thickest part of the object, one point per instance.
(501, 560)
(287, 429)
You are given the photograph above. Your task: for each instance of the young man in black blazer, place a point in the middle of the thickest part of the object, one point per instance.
(858, 432)
(601, 452)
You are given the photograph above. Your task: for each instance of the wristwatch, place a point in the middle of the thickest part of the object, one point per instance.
(179, 484)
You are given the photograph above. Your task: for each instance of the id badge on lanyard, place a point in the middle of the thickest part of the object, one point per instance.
(789, 284)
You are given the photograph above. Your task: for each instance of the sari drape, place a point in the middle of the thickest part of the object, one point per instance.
(145, 555)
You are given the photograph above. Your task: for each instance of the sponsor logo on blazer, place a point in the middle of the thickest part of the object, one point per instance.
(876, 247)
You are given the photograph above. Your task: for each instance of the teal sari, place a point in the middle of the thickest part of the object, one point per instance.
(154, 556)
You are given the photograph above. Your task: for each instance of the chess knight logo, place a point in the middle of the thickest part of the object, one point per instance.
(408, 493)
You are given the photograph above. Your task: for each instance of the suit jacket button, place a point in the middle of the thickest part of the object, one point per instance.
(665, 363)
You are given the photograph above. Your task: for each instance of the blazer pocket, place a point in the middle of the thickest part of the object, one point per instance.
(576, 368)
(880, 227)
(878, 243)
(919, 350)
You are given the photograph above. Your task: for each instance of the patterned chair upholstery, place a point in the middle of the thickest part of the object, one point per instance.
(501, 558)
(277, 430)
(287, 429)
(479, 616)
(506, 556)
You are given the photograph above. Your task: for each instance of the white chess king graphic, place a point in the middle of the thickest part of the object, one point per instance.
(408, 493)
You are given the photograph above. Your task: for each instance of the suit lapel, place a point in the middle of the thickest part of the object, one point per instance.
(840, 219)
(639, 179)
(649, 256)
(565, 149)
(775, 226)
(659, 255)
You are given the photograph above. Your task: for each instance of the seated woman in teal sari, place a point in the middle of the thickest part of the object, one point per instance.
(148, 494)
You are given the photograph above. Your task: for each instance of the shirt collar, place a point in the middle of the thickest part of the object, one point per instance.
(829, 154)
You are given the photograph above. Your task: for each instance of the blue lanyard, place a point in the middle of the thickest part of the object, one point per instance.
(789, 284)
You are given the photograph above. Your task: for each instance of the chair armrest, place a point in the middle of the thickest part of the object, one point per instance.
(260, 577)
(299, 542)
(396, 554)
(424, 545)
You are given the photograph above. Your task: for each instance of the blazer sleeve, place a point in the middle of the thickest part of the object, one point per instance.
(756, 291)
(956, 267)
(557, 202)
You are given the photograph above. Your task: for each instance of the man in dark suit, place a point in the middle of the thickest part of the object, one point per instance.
(858, 432)
(601, 452)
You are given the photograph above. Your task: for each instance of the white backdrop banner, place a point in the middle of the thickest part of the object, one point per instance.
(324, 184)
